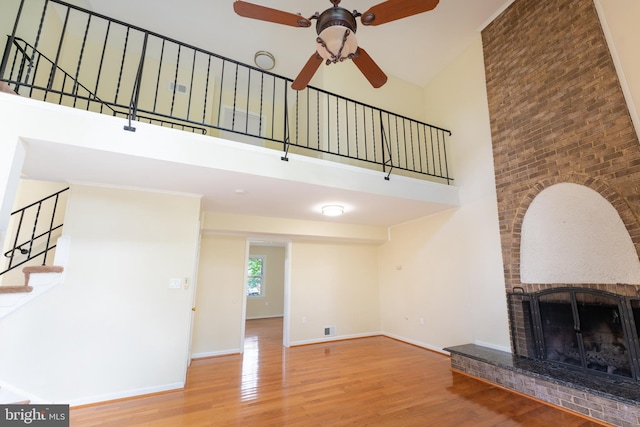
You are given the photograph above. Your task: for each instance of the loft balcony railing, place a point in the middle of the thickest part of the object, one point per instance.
(57, 52)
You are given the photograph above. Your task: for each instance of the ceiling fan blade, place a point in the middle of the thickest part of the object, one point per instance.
(369, 68)
(307, 72)
(263, 13)
(391, 10)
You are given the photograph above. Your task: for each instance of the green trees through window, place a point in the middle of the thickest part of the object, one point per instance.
(255, 276)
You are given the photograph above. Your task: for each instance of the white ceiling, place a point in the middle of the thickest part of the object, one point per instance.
(414, 49)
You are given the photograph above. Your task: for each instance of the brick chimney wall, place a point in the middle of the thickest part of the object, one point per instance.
(557, 115)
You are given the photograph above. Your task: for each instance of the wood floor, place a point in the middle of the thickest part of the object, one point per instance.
(365, 382)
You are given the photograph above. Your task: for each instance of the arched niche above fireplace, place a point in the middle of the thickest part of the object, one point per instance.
(571, 234)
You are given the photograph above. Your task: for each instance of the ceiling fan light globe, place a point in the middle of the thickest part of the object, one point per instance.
(330, 44)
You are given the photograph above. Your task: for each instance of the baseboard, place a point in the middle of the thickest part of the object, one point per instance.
(493, 346)
(418, 344)
(205, 354)
(371, 334)
(125, 394)
(271, 316)
(334, 338)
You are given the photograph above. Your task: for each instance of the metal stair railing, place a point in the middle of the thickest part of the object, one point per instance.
(31, 239)
(141, 74)
(25, 54)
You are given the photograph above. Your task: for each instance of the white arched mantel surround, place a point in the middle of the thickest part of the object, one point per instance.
(571, 234)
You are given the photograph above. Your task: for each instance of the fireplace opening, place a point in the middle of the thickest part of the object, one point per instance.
(584, 329)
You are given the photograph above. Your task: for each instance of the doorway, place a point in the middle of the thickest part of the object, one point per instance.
(267, 284)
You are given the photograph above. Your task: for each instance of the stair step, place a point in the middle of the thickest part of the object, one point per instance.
(43, 279)
(6, 89)
(15, 289)
(40, 269)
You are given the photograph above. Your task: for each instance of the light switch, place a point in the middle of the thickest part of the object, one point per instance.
(175, 283)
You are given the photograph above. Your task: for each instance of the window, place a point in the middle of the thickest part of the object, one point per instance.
(255, 276)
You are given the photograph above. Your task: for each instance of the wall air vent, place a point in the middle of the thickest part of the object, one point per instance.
(179, 88)
(329, 331)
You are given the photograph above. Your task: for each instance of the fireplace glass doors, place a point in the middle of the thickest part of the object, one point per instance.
(584, 329)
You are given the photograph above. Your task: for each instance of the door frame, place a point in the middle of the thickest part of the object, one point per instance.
(287, 245)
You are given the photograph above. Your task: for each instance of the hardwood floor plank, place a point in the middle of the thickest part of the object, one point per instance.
(374, 381)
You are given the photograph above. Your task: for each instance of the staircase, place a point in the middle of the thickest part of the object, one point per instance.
(37, 269)
(33, 236)
(35, 245)
(38, 280)
(35, 229)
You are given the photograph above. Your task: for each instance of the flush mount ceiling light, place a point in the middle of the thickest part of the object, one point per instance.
(264, 60)
(332, 210)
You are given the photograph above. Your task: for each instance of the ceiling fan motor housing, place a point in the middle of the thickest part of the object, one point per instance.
(336, 28)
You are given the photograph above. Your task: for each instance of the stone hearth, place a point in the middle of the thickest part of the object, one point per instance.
(612, 401)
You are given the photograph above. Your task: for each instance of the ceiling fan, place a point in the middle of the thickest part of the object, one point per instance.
(336, 28)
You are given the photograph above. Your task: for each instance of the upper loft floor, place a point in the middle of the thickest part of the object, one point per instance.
(62, 54)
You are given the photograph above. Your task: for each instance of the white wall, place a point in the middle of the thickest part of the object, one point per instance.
(114, 328)
(396, 95)
(619, 20)
(221, 278)
(271, 304)
(333, 284)
(423, 285)
(447, 269)
(12, 155)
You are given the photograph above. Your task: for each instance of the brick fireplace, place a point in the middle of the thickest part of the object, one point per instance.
(558, 115)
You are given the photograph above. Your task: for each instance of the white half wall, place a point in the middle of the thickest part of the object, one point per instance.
(114, 328)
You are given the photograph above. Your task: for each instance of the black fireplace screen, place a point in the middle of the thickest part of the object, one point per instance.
(590, 330)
